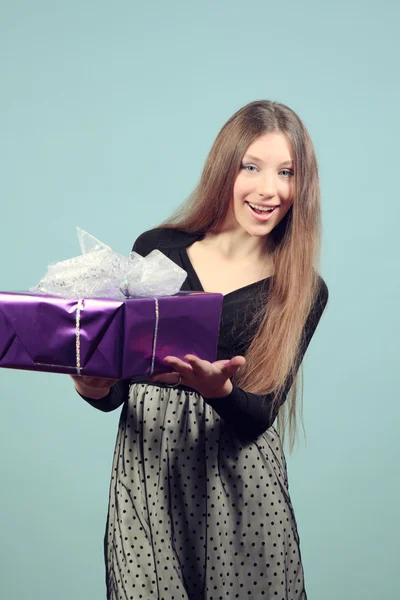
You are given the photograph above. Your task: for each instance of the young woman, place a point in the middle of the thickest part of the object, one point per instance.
(199, 505)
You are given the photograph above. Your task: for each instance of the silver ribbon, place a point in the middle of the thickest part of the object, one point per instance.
(79, 308)
(78, 336)
(153, 357)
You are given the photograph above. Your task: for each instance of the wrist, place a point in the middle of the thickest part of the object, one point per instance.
(223, 392)
(94, 393)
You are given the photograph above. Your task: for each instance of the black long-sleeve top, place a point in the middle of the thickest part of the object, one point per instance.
(249, 414)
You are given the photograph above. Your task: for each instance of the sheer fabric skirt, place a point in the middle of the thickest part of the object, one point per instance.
(194, 512)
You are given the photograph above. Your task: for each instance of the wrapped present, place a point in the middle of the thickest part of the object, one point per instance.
(106, 337)
(106, 315)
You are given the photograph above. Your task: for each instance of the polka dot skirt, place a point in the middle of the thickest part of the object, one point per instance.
(195, 513)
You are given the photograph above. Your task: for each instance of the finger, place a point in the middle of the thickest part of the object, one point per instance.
(192, 359)
(233, 366)
(220, 364)
(238, 360)
(198, 365)
(177, 364)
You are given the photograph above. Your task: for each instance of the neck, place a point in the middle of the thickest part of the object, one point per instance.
(237, 244)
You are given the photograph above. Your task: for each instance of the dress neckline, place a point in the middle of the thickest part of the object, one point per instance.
(189, 267)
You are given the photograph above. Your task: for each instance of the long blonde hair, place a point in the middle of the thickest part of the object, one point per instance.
(273, 353)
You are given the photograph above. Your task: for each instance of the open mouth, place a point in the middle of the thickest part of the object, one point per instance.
(262, 213)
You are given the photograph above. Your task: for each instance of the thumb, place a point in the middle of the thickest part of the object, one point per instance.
(233, 366)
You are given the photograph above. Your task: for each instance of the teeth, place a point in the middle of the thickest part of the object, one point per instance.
(262, 208)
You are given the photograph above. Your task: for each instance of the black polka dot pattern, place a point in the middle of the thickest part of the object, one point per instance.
(194, 513)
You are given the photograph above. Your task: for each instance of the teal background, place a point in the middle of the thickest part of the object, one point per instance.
(107, 112)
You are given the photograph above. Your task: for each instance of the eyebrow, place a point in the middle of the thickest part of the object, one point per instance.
(251, 157)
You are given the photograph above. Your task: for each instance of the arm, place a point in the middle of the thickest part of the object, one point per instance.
(249, 414)
(116, 396)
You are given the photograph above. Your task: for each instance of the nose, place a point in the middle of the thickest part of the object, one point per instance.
(266, 185)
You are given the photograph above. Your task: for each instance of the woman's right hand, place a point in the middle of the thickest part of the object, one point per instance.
(94, 388)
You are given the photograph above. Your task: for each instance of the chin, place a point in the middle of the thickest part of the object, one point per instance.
(259, 233)
(260, 229)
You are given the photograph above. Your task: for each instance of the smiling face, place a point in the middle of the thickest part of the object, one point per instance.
(264, 187)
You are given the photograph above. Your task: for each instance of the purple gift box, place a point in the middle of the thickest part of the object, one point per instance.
(118, 338)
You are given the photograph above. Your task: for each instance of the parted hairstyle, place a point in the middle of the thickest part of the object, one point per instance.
(273, 353)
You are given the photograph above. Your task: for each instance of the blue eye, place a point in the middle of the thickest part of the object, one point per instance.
(287, 172)
(249, 168)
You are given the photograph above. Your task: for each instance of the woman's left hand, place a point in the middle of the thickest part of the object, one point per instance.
(210, 380)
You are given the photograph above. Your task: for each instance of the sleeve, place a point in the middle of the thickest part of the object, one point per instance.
(249, 414)
(147, 241)
(115, 397)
